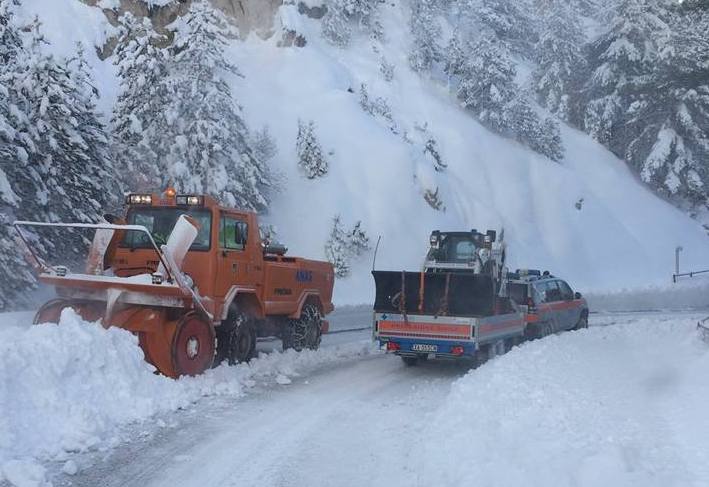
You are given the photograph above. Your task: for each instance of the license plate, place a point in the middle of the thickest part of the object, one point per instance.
(420, 347)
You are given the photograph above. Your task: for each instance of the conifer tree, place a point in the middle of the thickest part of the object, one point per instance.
(212, 152)
(558, 55)
(336, 249)
(426, 32)
(311, 159)
(343, 246)
(342, 15)
(139, 121)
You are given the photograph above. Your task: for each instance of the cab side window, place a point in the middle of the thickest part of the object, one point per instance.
(566, 292)
(540, 293)
(233, 233)
(553, 293)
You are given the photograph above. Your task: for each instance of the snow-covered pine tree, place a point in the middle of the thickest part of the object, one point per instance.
(211, 152)
(72, 151)
(342, 14)
(454, 58)
(264, 145)
(342, 246)
(487, 82)
(358, 241)
(55, 157)
(10, 45)
(671, 118)
(139, 122)
(311, 159)
(558, 54)
(376, 107)
(505, 22)
(525, 125)
(426, 32)
(337, 251)
(18, 277)
(93, 162)
(621, 64)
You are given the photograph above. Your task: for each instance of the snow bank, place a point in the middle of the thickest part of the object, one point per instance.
(623, 405)
(70, 387)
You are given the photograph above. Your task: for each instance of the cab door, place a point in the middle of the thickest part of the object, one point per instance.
(551, 297)
(573, 309)
(235, 266)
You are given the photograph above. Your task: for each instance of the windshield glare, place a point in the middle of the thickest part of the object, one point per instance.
(160, 223)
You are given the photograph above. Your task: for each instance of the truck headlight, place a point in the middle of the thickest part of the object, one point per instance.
(189, 200)
(140, 199)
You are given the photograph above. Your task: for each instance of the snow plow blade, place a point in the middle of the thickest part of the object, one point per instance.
(170, 319)
(434, 293)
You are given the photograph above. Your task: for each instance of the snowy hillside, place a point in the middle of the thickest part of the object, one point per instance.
(622, 235)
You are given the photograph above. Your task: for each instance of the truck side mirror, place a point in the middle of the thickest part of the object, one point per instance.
(492, 234)
(577, 295)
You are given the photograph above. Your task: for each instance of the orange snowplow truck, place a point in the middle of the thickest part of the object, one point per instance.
(192, 279)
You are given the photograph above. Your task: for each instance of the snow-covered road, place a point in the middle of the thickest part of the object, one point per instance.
(621, 404)
(335, 427)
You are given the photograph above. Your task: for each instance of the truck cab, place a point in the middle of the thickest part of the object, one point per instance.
(241, 276)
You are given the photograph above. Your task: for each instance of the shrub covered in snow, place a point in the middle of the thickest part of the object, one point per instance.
(343, 246)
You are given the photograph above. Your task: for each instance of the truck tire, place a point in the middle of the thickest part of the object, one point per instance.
(192, 348)
(583, 322)
(410, 361)
(304, 332)
(236, 339)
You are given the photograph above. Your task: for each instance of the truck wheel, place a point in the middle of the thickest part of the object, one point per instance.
(410, 361)
(582, 323)
(192, 345)
(236, 339)
(305, 332)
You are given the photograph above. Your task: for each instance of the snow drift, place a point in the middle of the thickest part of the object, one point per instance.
(622, 405)
(71, 387)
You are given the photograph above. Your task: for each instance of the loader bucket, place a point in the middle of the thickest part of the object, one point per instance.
(173, 327)
(434, 293)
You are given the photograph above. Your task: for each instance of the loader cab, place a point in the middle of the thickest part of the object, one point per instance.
(463, 251)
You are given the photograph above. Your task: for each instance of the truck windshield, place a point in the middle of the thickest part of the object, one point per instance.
(454, 249)
(161, 221)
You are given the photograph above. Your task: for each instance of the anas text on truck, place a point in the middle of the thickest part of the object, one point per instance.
(192, 279)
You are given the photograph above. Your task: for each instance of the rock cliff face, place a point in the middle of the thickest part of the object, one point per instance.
(249, 15)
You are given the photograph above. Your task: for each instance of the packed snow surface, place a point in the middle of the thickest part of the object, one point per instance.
(621, 405)
(71, 387)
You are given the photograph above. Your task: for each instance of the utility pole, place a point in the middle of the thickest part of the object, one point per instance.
(678, 249)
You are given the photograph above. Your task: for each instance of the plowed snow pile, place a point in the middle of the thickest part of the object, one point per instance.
(71, 387)
(623, 405)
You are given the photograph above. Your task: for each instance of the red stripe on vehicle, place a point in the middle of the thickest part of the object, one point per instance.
(484, 328)
(419, 327)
